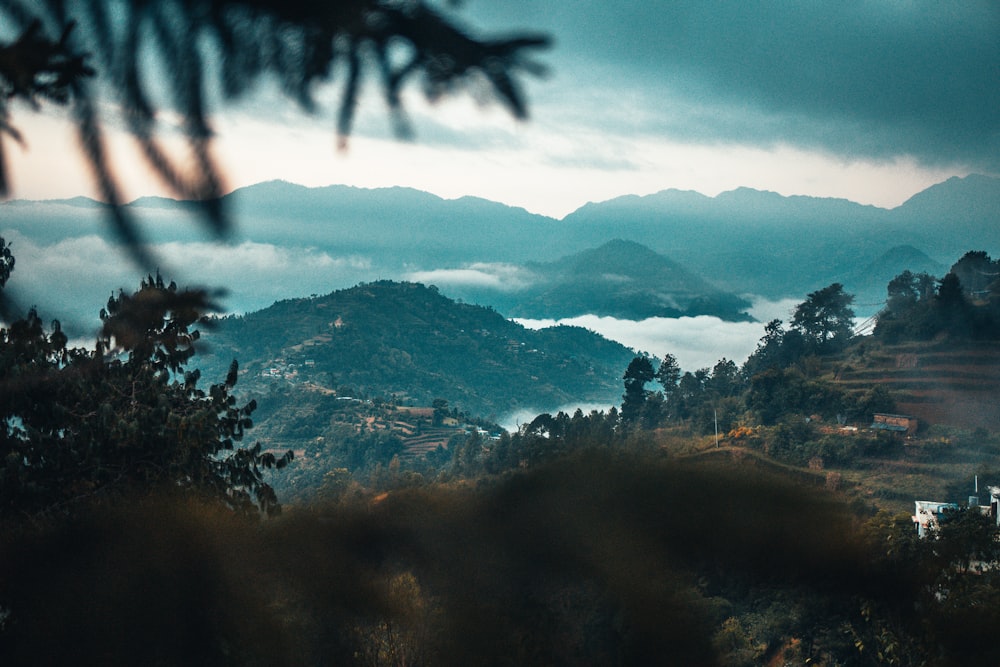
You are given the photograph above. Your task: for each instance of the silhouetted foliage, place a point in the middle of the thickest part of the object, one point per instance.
(825, 319)
(638, 374)
(300, 44)
(124, 420)
(777, 349)
(36, 68)
(908, 313)
(599, 559)
(977, 273)
(964, 304)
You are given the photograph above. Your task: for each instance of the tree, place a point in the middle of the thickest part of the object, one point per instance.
(777, 348)
(638, 374)
(440, 406)
(126, 419)
(826, 318)
(976, 272)
(902, 293)
(300, 44)
(6, 262)
(691, 392)
(951, 307)
(908, 312)
(725, 379)
(669, 373)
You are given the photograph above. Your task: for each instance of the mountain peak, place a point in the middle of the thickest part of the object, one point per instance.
(958, 191)
(618, 256)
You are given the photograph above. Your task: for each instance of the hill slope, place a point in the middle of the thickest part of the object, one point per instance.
(941, 382)
(622, 279)
(627, 280)
(744, 241)
(868, 283)
(407, 339)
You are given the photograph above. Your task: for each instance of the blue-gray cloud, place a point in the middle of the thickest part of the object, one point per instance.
(496, 276)
(72, 279)
(855, 78)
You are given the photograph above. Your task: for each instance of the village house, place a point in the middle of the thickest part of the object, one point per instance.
(903, 424)
(928, 514)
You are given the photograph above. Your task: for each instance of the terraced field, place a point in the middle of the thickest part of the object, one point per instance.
(938, 382)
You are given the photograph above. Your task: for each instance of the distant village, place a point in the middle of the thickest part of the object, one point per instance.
(420, 430)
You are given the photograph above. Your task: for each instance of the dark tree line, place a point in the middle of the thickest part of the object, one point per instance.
(718, 397)
(125, 419)
(964, 304)
(776, 387)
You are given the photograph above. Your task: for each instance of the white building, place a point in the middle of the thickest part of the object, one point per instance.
(928, 514)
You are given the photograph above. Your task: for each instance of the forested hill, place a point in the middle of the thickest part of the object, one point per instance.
(628, 280)
(406, 339)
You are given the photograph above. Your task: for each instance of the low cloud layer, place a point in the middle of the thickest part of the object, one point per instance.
(498, 276)
(72, 280)
(696, 342)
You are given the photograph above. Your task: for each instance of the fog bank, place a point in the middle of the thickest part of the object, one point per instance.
(696, 342)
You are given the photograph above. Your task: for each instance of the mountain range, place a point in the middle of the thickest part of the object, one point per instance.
(744, 242)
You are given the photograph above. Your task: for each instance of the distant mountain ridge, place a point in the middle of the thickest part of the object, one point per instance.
(869, 282)
(743, 242)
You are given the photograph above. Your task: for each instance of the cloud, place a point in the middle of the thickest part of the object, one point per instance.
(765, 311)
(513, 421)
(497, 276)
(858, 79)
(72, 279)
(696, 342)
(257, 274)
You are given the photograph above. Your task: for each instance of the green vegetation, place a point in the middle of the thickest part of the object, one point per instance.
(124, 420)
(622, 279)
(405, 339)
(965, 304)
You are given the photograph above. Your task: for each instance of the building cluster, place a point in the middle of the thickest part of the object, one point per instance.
(280, 370)
(928, 515)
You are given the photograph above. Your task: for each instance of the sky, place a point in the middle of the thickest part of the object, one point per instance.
(871, 101)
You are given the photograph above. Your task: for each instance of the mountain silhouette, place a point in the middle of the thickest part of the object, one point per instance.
(744, 242)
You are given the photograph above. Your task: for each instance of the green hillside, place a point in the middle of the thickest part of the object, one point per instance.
(408, 340)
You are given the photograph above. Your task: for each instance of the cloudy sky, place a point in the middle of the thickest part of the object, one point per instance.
(867, 100)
